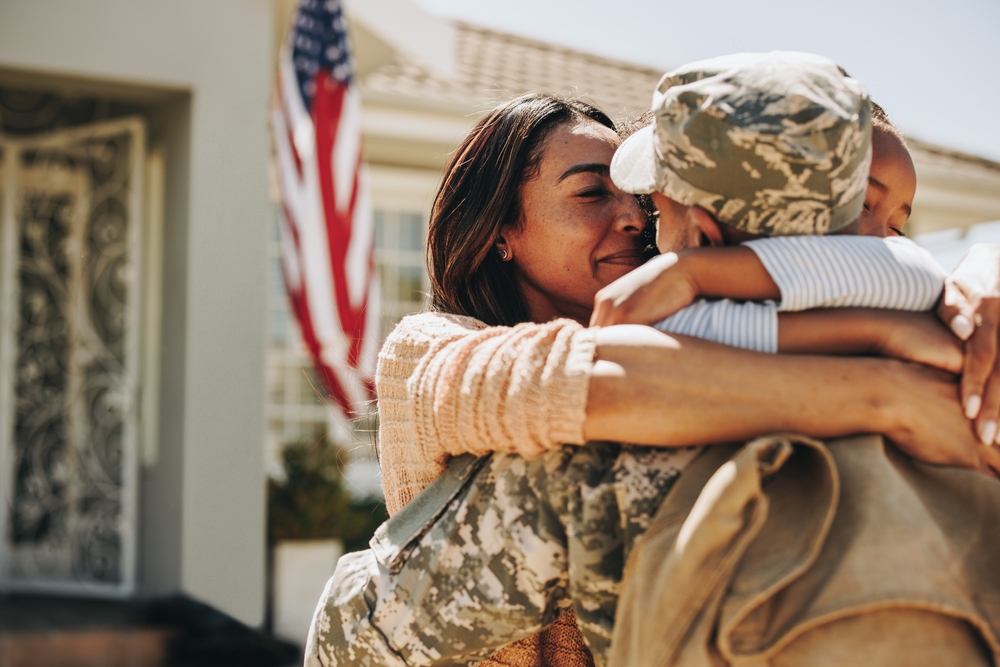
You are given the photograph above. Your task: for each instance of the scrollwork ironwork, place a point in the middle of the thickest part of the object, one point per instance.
(72, 396)
(31, 111)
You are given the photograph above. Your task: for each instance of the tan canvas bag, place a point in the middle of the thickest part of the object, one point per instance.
(791, 552)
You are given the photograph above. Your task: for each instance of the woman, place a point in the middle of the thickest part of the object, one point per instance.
(526, 228)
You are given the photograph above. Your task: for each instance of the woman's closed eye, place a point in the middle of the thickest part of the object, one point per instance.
(590, 184)
(594, 192)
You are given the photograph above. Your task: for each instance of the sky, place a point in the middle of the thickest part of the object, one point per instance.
(934, 66)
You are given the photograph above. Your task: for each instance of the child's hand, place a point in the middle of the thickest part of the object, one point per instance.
(914, 337)
(667, 283)
(918, 337)
(657, 289)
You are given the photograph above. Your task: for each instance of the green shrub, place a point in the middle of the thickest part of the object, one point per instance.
(311, 503)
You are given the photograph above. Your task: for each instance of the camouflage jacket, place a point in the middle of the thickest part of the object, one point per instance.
(494, 551)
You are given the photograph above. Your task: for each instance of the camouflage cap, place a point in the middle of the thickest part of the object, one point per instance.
(770, 143)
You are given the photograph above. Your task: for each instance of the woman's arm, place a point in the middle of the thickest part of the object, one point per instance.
(654, 389)
(449, 385)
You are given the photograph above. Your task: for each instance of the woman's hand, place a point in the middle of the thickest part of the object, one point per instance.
(971, 307)
(931, 425)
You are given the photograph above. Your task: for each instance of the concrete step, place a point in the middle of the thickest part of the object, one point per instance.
(140, 647)
(63, 631)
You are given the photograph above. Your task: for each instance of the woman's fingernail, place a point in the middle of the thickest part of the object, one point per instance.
(972, 405)
(988, 433)
(962, 326)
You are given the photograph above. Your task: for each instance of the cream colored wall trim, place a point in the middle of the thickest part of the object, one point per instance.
(405, 137)
(402, 123)
(402, 189)
(972, 203)
(952, 193)
(408, 28)
(8, 320)
(149, 437)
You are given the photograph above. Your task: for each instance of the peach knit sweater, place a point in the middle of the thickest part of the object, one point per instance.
(448, 385)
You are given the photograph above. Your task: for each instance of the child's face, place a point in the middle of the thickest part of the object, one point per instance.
(892, 183)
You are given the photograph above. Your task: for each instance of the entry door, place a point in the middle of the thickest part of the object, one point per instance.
(69, 357)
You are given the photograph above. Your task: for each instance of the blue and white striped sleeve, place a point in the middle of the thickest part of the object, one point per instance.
(749, 325)
(817, 272)
(845, 271)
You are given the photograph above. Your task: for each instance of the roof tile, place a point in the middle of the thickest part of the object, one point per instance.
(493, 66)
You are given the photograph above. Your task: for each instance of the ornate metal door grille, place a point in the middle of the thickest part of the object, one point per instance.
(69, 357)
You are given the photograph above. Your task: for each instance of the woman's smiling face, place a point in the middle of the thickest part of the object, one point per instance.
(578, 232)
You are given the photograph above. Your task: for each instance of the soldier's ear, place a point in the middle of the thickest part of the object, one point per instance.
(706, 224)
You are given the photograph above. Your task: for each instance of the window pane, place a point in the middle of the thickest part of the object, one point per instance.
(276, 384)
(411, 231)
(411, 283)
(387, 279)
(277, 323)
(311, 389)
(277, 279)
(379, 229)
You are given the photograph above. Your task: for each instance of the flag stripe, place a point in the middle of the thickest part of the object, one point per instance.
(329, 262)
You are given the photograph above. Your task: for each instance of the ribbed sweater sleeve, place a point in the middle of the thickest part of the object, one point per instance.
(449, 385)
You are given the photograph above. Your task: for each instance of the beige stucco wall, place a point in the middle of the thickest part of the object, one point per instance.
(952, 192)
(202, 508)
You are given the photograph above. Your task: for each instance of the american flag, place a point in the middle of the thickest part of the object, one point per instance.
(327, 230)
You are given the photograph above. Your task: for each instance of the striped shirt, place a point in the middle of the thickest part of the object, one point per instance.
(817, 272)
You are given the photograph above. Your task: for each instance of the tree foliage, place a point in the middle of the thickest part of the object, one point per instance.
(312, 503)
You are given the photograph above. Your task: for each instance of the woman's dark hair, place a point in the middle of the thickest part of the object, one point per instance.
(480, 195)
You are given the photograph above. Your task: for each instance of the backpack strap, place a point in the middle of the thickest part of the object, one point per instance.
(416, 516)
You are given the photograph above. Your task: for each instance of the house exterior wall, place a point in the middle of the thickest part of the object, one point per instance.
(202, 509)
(952, 192)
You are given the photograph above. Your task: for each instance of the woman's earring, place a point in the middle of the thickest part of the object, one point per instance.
(503, 253)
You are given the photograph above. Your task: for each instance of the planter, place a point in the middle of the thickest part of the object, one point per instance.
(301, 570)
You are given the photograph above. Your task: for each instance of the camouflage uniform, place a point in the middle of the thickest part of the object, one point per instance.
(513, 544)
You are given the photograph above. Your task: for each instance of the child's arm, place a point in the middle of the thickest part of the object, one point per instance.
(669, 282)
(844, 271)
(749, 325)
(917, 337)
(802, 271)
(809, 272)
